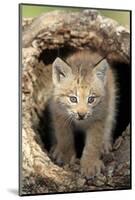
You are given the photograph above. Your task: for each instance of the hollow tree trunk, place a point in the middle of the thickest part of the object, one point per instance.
(52, 31)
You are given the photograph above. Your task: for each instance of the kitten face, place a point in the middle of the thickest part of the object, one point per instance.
(81, 94)
(81, 107)
(79, 102)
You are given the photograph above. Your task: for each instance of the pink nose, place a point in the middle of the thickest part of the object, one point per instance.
(81, 115)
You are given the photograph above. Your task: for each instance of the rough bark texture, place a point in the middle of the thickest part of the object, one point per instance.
(54, 30)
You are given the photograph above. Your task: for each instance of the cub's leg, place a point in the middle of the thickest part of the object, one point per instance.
(91, 164)
(64, 151)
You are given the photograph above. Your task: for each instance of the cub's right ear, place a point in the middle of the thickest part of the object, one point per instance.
(101, 69)
(60, 71)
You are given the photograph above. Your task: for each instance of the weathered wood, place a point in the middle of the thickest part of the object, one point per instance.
(87, 29)
(79, 30)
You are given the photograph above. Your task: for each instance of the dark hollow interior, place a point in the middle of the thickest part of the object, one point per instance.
(123, 117)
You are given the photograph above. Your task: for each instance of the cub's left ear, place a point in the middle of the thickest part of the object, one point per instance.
(101, 69)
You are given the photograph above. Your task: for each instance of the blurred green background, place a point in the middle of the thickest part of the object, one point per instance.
(123, 17)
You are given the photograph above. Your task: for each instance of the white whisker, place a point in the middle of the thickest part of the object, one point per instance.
(66, 120)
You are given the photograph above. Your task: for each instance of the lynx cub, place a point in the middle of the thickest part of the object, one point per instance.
(83, 97)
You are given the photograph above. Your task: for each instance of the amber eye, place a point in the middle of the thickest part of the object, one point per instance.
(91, 99)
(73, 99)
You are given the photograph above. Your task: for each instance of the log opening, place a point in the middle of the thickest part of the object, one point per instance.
(123, 116)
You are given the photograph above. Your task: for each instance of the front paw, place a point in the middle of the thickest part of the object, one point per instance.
(91, 167)
(107, 147)
(61, 157)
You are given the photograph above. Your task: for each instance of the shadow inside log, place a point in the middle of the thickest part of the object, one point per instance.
(49, 55)
(123, 116)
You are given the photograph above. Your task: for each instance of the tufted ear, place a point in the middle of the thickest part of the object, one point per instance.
(101, 69)
(60, 71)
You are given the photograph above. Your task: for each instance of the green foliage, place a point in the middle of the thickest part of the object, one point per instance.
(32, 11)
(123, 17)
